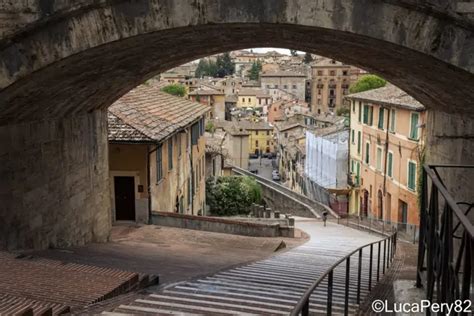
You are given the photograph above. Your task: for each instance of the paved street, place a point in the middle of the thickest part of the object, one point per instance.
(263, 165)
(271, 286)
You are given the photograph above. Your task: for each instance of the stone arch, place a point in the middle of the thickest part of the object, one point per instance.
(101, 49)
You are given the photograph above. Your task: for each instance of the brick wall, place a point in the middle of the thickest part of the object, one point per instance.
(54, 188)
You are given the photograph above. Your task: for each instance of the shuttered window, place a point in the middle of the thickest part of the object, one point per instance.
(390, 164)
(359, 146)
(412, 175)
(159, 163)
(381, 117)
(170, 154)
(414, 126)
(367, 153)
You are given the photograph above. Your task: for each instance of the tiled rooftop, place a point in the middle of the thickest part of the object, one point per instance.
(152, 113)
(388, 95)
(283, 74)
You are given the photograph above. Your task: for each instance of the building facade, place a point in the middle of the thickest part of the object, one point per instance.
(330, 81)
(157, 155)
(386, 152)
(284, 85)
(214, 98)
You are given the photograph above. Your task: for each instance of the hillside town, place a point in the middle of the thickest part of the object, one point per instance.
(324, 129)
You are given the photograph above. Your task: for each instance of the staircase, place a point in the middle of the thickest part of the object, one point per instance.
(268, 287)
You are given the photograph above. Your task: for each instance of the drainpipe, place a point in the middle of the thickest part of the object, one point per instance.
(148, 177)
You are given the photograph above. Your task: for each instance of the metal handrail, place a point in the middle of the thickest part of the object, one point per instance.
(303, 304)
(435, 179)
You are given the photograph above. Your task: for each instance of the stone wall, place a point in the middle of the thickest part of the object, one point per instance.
(54, 187)
(223, 225)
(450, 140)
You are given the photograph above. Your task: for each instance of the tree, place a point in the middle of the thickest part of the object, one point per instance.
(367, 82)
(228, 196)
(175, 89)
(293, 52)
(225, 65)
(202, 68)
(254, 72)
(308, 58)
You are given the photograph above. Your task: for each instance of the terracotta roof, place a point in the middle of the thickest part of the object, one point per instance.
(153, 113)
(250, 91)
(206, 92)
(122, 132)
(282, 74)
(389, 96)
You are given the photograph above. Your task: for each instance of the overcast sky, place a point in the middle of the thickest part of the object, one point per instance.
(267, 49)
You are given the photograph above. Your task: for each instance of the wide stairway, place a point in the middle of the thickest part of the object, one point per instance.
(271, 286)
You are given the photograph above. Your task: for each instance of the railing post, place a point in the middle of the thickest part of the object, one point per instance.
(359, 274)
(329, 302)
(305, 310)
(378, 260)
(370, 266)
(346, 297)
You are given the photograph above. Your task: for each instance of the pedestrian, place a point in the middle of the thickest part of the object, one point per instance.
(325, 217)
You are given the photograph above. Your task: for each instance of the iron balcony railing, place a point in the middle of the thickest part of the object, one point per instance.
(445, 251)
(386, 249)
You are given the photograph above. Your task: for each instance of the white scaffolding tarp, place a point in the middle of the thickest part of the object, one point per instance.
(326, 159)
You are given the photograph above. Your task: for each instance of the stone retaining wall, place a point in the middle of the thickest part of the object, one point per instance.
(222, 225)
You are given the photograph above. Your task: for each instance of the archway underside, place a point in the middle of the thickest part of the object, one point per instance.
(96, 77)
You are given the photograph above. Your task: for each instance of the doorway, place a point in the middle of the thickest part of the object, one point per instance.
(388, 208)
(124, 198)
(365, 204)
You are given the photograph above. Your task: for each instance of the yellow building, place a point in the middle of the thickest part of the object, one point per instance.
(260, 136)
(252, 98)
(157, 155)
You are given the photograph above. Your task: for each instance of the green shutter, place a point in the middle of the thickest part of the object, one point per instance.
(414, 126)
(358, 142)
(411, 175)
(358, 173)
(366, 114)
(390, 165)
(159, 163)
(360, 112)
(381, 118)
(371, 115)
(367, 153)
(170, 153)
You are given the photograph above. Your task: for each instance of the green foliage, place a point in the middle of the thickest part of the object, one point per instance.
(254, 72)
(175, 89)
(210, 128)
(223, 66)
(228, 196)
(308, 58)
(293, 52)
(343, 111)
(367, 82)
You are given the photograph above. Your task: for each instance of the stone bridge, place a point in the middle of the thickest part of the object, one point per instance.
(63, 62)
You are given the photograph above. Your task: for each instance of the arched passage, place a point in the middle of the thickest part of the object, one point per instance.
(62, 63)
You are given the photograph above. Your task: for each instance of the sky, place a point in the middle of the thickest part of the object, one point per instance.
(267, 49)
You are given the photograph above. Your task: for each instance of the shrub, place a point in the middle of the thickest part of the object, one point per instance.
(367, 82)
(228, 196)
(175, 89)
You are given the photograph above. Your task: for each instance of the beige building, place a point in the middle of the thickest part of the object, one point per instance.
(284, 85)
(214, 98)
(386, 150)
(157, 154)
(330, 83)
(252, 98)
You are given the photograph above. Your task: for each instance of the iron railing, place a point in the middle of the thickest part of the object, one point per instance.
(386, 249)
(445, 252)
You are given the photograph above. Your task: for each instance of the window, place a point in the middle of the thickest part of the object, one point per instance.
(159, 163)
(294, 86)
(250, 100)
(393, 116)
(359, 136)
(243, 100)
(381, 117)
(170, 154)
(256, 133)
(367, 153)
(190, 193)
(379, 158)
(390, 164)
(180, 149)
(276, 86)
(332, 73)
(360, 112)
(268, 143)
(256, 143)
(268, 133)
(195, 133)
(368, 114)
(344, 73)
(285, 87)
(268, 86)
(353, 136)
(411, 175)
(414, 126)
(353, 106)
